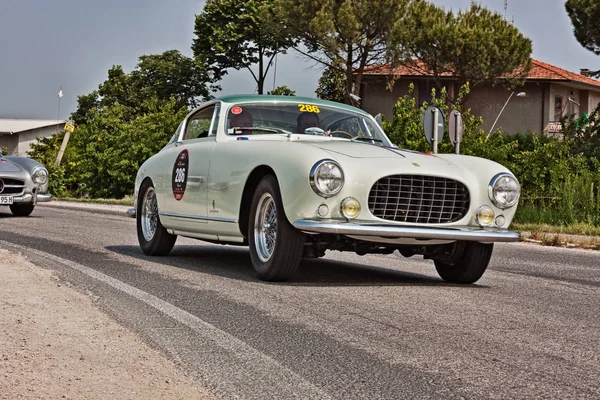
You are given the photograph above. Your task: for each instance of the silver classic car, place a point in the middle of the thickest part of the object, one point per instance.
(23, 183)
(294, 177)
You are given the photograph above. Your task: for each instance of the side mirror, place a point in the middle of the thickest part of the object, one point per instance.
(379, 120)
(314, 131)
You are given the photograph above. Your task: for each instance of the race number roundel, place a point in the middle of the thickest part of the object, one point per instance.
(180, 174)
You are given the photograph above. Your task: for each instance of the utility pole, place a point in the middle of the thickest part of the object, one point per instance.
(60, 94)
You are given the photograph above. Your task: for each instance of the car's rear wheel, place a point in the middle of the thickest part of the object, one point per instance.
(469, 266)
(152, 236)
(21, 210)
(276, 247)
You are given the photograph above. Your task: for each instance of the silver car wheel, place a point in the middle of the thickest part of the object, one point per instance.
(265, 227)
(149, 214)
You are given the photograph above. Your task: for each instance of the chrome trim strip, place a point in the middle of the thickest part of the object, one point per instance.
(394, 231)
(187, 216)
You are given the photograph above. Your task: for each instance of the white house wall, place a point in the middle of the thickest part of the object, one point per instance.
(26, 139)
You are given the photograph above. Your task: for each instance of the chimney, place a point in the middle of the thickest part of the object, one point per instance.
(585, 71)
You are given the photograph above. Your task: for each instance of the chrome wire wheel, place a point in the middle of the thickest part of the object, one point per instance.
(149, 217)
(265, 227)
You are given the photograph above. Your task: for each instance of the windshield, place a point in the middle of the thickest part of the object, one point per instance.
(303, 118)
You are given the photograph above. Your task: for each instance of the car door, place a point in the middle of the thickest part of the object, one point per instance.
(186, 204)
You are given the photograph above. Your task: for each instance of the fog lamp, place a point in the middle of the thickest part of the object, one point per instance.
(500, 220)
(484, 216)
(350, 207)
(323, 210)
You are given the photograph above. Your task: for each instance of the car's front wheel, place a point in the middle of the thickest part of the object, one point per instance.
(152, 236)
(469, 266)
(276, 247)
(21, 210)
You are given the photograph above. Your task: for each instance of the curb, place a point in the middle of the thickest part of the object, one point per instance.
(107, 209)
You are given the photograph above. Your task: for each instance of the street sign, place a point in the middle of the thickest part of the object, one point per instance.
(69, 127)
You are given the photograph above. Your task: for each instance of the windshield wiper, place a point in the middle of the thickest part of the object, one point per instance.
(366, 139)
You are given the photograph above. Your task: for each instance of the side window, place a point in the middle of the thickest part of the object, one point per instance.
(198, 125)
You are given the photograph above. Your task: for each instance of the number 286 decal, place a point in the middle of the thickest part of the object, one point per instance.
(180, 174)
(309, 108)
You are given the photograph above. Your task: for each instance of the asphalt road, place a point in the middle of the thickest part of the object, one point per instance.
(345, 327)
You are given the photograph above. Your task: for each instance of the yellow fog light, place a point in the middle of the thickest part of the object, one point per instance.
(350, 207)
(485, 216)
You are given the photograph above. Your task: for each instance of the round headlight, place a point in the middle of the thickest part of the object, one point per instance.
(326, 178)
(39, 176)
(504, 191)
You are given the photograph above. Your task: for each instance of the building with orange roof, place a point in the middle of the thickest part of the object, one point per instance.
(550, 93)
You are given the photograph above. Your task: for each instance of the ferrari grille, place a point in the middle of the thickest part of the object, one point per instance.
(11, 186)
(419, 199)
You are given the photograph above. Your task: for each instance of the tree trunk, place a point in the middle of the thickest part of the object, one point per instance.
(261, 77)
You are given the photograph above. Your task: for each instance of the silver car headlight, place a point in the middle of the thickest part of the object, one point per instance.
(39, 175)
(326, 178)
(504, 190)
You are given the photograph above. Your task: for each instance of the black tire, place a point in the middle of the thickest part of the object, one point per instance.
(469, 267)
(274, 259)
(21, 210)
(152, 236)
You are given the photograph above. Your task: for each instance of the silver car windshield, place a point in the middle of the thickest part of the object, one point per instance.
(303, 118)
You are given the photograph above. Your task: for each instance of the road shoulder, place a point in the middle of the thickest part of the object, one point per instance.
(55, 343)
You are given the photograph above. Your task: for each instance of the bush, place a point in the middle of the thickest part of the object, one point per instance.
(104, 154)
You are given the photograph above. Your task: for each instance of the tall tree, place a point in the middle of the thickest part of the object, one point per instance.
(173, 74)
(585, 17)
(239, 34)
(332, 85)
(157, 76)
(345, 35)
(477, 45)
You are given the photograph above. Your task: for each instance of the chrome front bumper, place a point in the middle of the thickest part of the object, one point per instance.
(28, 198)
(468, 233)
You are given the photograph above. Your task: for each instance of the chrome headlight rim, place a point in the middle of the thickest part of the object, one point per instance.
(492, 186)
(35, 174)
(313, 174)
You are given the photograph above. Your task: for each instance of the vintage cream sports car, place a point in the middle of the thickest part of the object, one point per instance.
(23, 183)
(292, 177)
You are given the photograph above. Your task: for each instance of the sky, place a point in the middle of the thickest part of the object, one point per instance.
(46, 45)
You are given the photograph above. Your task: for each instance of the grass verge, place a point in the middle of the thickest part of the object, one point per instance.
(125, 201)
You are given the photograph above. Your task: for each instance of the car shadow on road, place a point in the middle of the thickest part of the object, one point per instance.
(234, 263)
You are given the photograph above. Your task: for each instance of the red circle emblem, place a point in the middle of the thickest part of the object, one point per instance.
(236, 110)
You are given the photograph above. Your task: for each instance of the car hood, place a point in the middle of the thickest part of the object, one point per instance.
(8, 166)
(364, 150)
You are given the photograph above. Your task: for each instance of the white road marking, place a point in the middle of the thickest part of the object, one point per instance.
(249, 359)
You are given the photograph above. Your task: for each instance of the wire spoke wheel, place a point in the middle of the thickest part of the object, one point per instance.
(149, 214)
(265, 227)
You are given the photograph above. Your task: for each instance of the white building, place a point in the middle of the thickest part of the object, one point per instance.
(17, 135)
